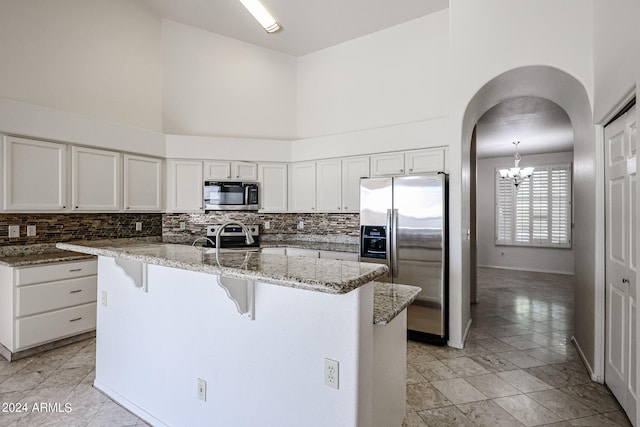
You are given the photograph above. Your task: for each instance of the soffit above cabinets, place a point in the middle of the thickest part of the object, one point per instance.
(307, 26)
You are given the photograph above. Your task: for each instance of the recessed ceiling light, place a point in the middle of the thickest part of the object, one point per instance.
(261, 14)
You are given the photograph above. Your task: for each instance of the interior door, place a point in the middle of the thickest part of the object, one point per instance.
(620, 313)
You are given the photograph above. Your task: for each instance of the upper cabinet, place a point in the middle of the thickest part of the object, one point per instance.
(273, 187)
(425, 161)
(142, 183)
(329, 185)
(303, 187)
(184, 186)
(34, 175)
(353, 168)
(95, 179)
(226, 170)
(387, 164)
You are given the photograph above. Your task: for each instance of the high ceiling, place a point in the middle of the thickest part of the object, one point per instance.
(307, 26)
(540, 125)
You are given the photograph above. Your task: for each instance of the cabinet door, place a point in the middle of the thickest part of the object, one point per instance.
(387, 164)
(425, 161)
(216, 169)
(273, 187)
(142, 183)
(341, 256)
(329, 186)
(353, 169)
(303, 186)
(184, 186)
(245, 171)
(34, 175)
(95, 179)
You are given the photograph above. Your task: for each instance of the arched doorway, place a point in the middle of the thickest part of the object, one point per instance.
(566, 91)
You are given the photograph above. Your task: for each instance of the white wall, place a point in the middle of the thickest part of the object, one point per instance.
(100, 59)
(227, 148)
(382, 92)
(217, 86)
(488, 38)
(553, 260)
(615, 54)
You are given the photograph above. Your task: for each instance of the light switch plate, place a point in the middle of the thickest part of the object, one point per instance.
(31, 230)
(139, 226)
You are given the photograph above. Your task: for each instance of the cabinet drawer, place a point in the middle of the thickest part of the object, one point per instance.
(343, 256)
(302, 252)
(53, 272)
(55, 295)
(54, 325)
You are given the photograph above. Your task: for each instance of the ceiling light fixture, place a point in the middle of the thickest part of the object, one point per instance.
(515, 174)
(261, 14)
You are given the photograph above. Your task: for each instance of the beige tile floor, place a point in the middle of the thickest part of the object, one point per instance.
(518, 368)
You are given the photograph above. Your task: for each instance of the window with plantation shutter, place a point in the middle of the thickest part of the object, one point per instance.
(538, 212)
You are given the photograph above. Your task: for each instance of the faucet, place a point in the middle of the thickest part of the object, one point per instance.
(247, 233)
(201, 238)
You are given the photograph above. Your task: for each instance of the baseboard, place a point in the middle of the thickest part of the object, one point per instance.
(128, 405)
(593, 376)
(533, 270)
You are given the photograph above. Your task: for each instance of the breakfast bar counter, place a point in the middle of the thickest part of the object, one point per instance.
(190, 337)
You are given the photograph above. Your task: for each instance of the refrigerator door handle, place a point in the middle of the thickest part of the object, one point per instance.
(389, 243)
(394, 242)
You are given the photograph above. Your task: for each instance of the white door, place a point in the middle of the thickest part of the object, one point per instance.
(425, 161)
(620, 313)
(329, 186)
(184, 186)
(217, 169)
(303, 187)
(142, 183)
(273, 190)
(245, 171)
(387, 164)
(353, 168)
(95, 179)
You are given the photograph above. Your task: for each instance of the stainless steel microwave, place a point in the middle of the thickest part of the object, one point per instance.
(230, 196)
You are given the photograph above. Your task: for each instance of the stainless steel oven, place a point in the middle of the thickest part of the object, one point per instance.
(233, 237)
(230, 196)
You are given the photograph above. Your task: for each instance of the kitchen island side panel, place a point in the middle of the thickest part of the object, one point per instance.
(153, 346)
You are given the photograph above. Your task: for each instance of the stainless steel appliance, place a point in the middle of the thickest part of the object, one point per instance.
(403, 224)
(230, 196)
(233, 237)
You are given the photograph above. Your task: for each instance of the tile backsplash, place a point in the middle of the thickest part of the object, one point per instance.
(330, 227)
(63, 227)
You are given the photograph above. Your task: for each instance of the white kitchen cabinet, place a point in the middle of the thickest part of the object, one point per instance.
(353, 168)
(387, 164)
(342, 256)
(142, 183)
(226, 170)
(184, 186)
(303, 187)
(329, 186)
(273, 187)
(46, 303)
(95, 179)
(35, 175)
(425, 161)
(309, 253)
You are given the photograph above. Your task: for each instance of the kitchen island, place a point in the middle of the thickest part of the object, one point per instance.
(189, 337)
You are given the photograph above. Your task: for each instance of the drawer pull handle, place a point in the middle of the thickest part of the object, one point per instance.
(75, 320)
(76, 291)
(74, 270)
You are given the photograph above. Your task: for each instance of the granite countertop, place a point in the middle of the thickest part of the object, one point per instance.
(315, 274)
(390, 299)
(52, 255)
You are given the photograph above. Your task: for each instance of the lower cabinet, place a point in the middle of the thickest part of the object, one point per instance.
(312, 253)
(42, 304)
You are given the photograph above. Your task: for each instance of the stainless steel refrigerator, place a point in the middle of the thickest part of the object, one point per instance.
(403, 224)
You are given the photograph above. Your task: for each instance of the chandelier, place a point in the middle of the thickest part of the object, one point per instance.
(516, 174)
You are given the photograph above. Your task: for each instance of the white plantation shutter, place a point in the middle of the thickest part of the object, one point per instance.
(538, 212)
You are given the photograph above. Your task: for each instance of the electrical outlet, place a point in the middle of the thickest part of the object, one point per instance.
(183, 225)
(31, 230)
(14, 231)
(300, 225)
(202, 389)
(267, 225)
(103, 300)
(331, 373)
(139, 226)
